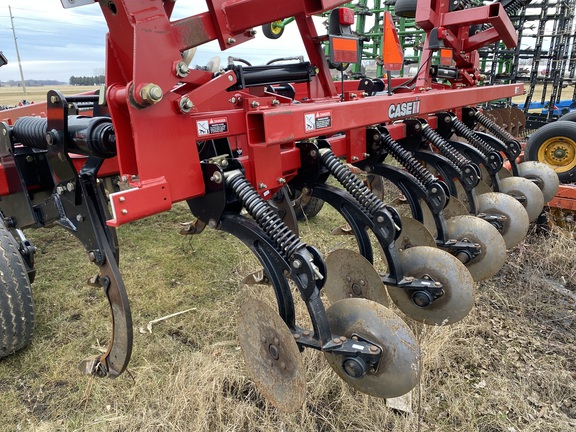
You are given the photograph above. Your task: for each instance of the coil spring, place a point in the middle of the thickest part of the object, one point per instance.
(467, 133)
(31, 132)
(409, 162)
(285, 240)
(511, 9)
(444, 147)
(351, 183)
(493, 127)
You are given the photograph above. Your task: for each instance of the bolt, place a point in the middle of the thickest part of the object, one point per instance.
(417, 127)
(296, 263)
(185, 104)
(365, 155)
(216, 177)
(353, 95)
(282, 365)
(380, 219)
(281, 180)
(437, 284)
(250, 33)
(447, 119)
(306, 333)
(92, 256)
(212, 223)
(151, 93)
(343, 338)
(337, 341)
(355, 338)
(54, 99)
(296, 336)
(434, 190)
(124, 211)
(254, 104)
(60, 190)
(275, 102)
(233, 99)
(276, 341)
(182, 69)
(230, 78)
(348, 279)
(124, 179)
(79, 218)
(4, 132)
(355, 158)
(28, 158)
(49, 138)
(313, 153)
(70, 187)
(365, 94)
(231, 41)
(362, 282)
(374, 349)
(262, 186)
(122, 199)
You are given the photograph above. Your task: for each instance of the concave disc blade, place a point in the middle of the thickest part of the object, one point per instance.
(547, 179)
(515, 227)
(534, 202)
(350, 275)
(439, 266)
(492, 254)
(271, 356)
(413, 234)
(399, 368)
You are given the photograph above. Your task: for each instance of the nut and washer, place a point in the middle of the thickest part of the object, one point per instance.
(185, 104)
(182, 69)
(151, 93)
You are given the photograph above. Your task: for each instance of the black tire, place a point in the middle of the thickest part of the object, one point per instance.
(571, 116)
(16, 305)
(272, 30)
(405, 8)
(306, 206)
(555, 145)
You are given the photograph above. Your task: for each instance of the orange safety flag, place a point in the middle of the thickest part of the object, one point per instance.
(392, 53)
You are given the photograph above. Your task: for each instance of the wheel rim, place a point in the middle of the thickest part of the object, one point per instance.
(558, 152)
(399, 370)
(350, 275)
(515, 227)
(440, 266)
(492, 246)
(276, 27)
(534, 202)
(547, 179)
(271, 356)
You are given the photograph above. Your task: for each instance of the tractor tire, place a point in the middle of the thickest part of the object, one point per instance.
(405, 8)
(272, 30)
(555, 145)
(16, 305)
(571, 116)
(306, 206)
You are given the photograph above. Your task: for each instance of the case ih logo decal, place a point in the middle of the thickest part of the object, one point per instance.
(212, 126)
(317, 120)
(404, 109)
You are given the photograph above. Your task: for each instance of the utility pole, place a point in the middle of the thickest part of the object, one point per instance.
(17, 52)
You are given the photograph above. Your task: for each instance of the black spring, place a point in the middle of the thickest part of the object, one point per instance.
(493, 127)
(467, 133)
(31, 132)
(351, 183)
(285, 240)
(409, 162)
(445, 148)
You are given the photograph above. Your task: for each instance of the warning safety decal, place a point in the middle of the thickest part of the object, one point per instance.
(212, 126)
(317, 120)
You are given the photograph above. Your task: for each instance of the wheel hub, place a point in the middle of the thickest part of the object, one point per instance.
(354, 367)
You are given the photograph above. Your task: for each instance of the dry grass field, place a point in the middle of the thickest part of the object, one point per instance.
(10, 96)
(510, 366)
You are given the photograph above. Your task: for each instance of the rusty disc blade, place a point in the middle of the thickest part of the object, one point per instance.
(414, 233)
(350, 275)
(438, 266)
(516, 223)
(492, 254)
(398, 370)
(271, 356)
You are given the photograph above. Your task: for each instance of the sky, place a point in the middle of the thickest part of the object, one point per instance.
(57, 43)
